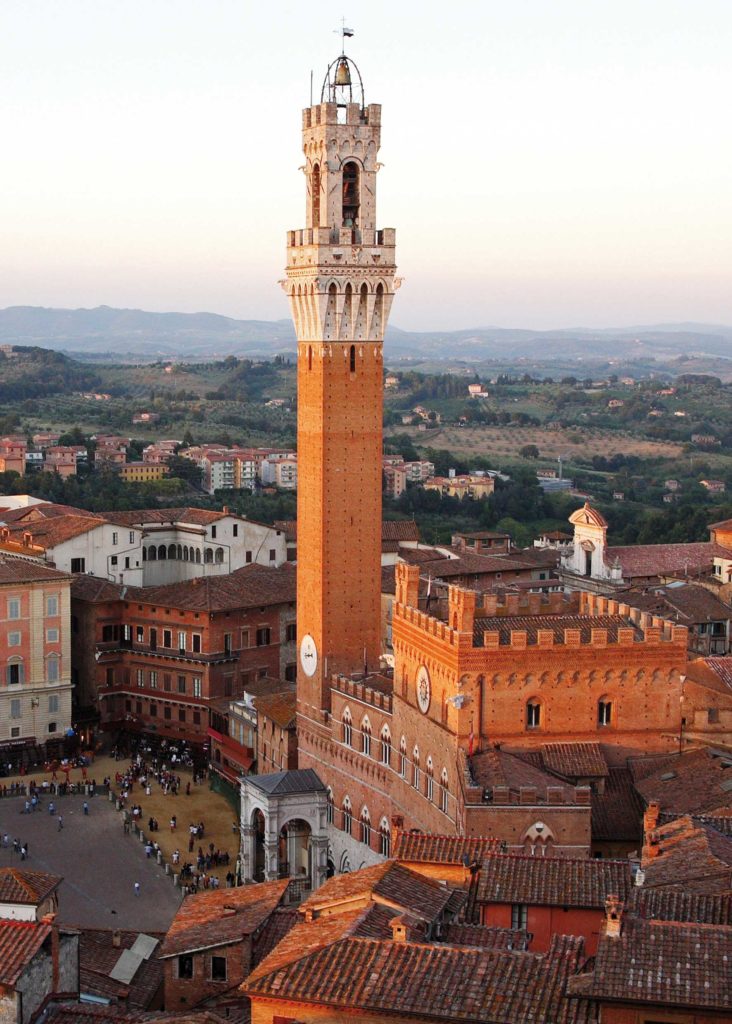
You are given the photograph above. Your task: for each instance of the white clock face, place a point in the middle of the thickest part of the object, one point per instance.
(424, 690)
(308, 655)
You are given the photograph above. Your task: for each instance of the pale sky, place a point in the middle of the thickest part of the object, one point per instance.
(548, 163)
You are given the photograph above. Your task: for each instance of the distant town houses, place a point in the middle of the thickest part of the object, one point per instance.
(463, 485)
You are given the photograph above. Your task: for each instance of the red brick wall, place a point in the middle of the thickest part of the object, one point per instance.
(186, 993)
(543, 922)
(125, 703)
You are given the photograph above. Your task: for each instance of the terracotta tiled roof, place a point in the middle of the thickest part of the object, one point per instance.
(49, 533)
(18, 886)
(78, 1013)
(44, 510)
(308, 936)
(430, 981)
(499, 768)
(275, 928)
(219, 917)
(663, 559)
(684, 604)
(531, 624)
(95, 589)
(663, 964)
(399, 530)
(143, 516)
(279, 708)
(722, 668)
(428, 848)
(17, 570)
(19, 943)
(97, 957)
(552, 881)
(574, 760)
(484, 937)
(643, 767)
(387, 883)
(720, 821)
(617, 813)
(248, 587)
(689, 857)
(692, 782)
(672, 905)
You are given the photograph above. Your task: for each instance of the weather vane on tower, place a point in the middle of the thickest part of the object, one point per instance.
(345, 33)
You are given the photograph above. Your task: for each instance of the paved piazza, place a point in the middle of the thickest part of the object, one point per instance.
(98, 862)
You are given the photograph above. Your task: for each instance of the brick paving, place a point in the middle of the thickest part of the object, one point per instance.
(98, 862)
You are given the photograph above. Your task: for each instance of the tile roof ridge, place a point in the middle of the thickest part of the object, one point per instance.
(557, 858)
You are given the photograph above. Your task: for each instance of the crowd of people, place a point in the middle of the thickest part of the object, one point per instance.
(147, 768)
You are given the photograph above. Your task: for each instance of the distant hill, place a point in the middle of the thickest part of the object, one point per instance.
(195, 336)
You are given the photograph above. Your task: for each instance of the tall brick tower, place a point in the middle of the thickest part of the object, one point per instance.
(340, 282)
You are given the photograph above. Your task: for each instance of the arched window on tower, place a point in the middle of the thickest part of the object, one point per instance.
(604, 711)
(384, 838)
(347, 728)
(533, 714)
(386, 746)
(329, 807)
(315, 185)
(366, 737)
(444, 791)
(365, 826)
(403, 757)
(416, 773)
(351, 194)
(430, 779)
(352, 359)
(347, 816)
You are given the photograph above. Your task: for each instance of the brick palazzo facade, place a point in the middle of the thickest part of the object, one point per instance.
(416, 747)
(157, 658)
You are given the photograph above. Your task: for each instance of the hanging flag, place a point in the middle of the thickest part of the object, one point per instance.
(429, 593)
(471, 741)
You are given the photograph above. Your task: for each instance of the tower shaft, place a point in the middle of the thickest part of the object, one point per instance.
(340, 282)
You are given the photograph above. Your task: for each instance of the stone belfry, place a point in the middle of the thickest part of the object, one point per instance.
(340, 282)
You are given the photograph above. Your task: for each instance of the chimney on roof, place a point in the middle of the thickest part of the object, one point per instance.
(225, 510)
(613, 916)
(650, 839)
(402, 928)
(116, 938)
(651, 816)
(228, 911)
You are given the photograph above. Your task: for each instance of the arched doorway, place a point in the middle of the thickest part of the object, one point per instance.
(294, 851)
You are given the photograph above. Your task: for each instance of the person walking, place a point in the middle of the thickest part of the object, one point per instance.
(60, 823)
(85, 806)
(137, 888)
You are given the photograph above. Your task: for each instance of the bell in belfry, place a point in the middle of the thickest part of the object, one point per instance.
(343, 73)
